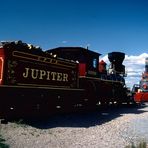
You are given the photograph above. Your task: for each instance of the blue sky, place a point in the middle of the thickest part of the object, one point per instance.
(103, 25)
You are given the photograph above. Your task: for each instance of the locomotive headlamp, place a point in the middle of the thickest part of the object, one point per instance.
(29, 46)
(139, 90)
(54, 55)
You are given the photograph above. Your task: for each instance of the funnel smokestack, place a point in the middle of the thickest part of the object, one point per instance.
(116, 59)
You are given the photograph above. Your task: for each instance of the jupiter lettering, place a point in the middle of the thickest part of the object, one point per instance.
(45, 75)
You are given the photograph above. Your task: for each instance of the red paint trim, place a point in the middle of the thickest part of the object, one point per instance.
(82, 69)
(1, 65)
(141, 97)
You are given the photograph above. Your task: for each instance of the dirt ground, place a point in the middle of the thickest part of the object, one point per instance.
(106, 128)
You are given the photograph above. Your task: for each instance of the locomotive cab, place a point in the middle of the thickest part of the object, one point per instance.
(88, 60)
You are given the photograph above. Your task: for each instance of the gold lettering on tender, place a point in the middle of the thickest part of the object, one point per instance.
(42, 74)
(65, 77)
(53, 74)
(48, 75)
(59, 76)
(34, 73)
(25, 74)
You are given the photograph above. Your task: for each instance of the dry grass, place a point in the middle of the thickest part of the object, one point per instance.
(2, 143)
(140, 145)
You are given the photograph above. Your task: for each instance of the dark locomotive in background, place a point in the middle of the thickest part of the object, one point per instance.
(37, 82)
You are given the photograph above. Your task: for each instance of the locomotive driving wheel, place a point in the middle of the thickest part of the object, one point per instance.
(90, 99)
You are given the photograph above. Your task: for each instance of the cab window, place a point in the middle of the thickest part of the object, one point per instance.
(94, 63)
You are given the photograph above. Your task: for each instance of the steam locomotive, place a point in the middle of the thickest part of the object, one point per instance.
(140, 91)
(35, 82)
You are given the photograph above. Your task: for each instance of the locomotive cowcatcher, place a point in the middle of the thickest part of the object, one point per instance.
(34, 82)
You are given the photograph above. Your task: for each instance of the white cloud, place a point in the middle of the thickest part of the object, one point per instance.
(134, 66)
(105, 59)
(64, 42)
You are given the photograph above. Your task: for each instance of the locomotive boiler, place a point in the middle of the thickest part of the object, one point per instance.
(34, 82)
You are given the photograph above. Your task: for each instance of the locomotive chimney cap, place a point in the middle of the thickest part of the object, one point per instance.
(116, 57)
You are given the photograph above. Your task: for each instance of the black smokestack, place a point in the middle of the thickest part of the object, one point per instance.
(146, 64)
(116, 59)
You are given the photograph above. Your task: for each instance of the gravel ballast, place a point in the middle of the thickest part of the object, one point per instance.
(111, 128)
